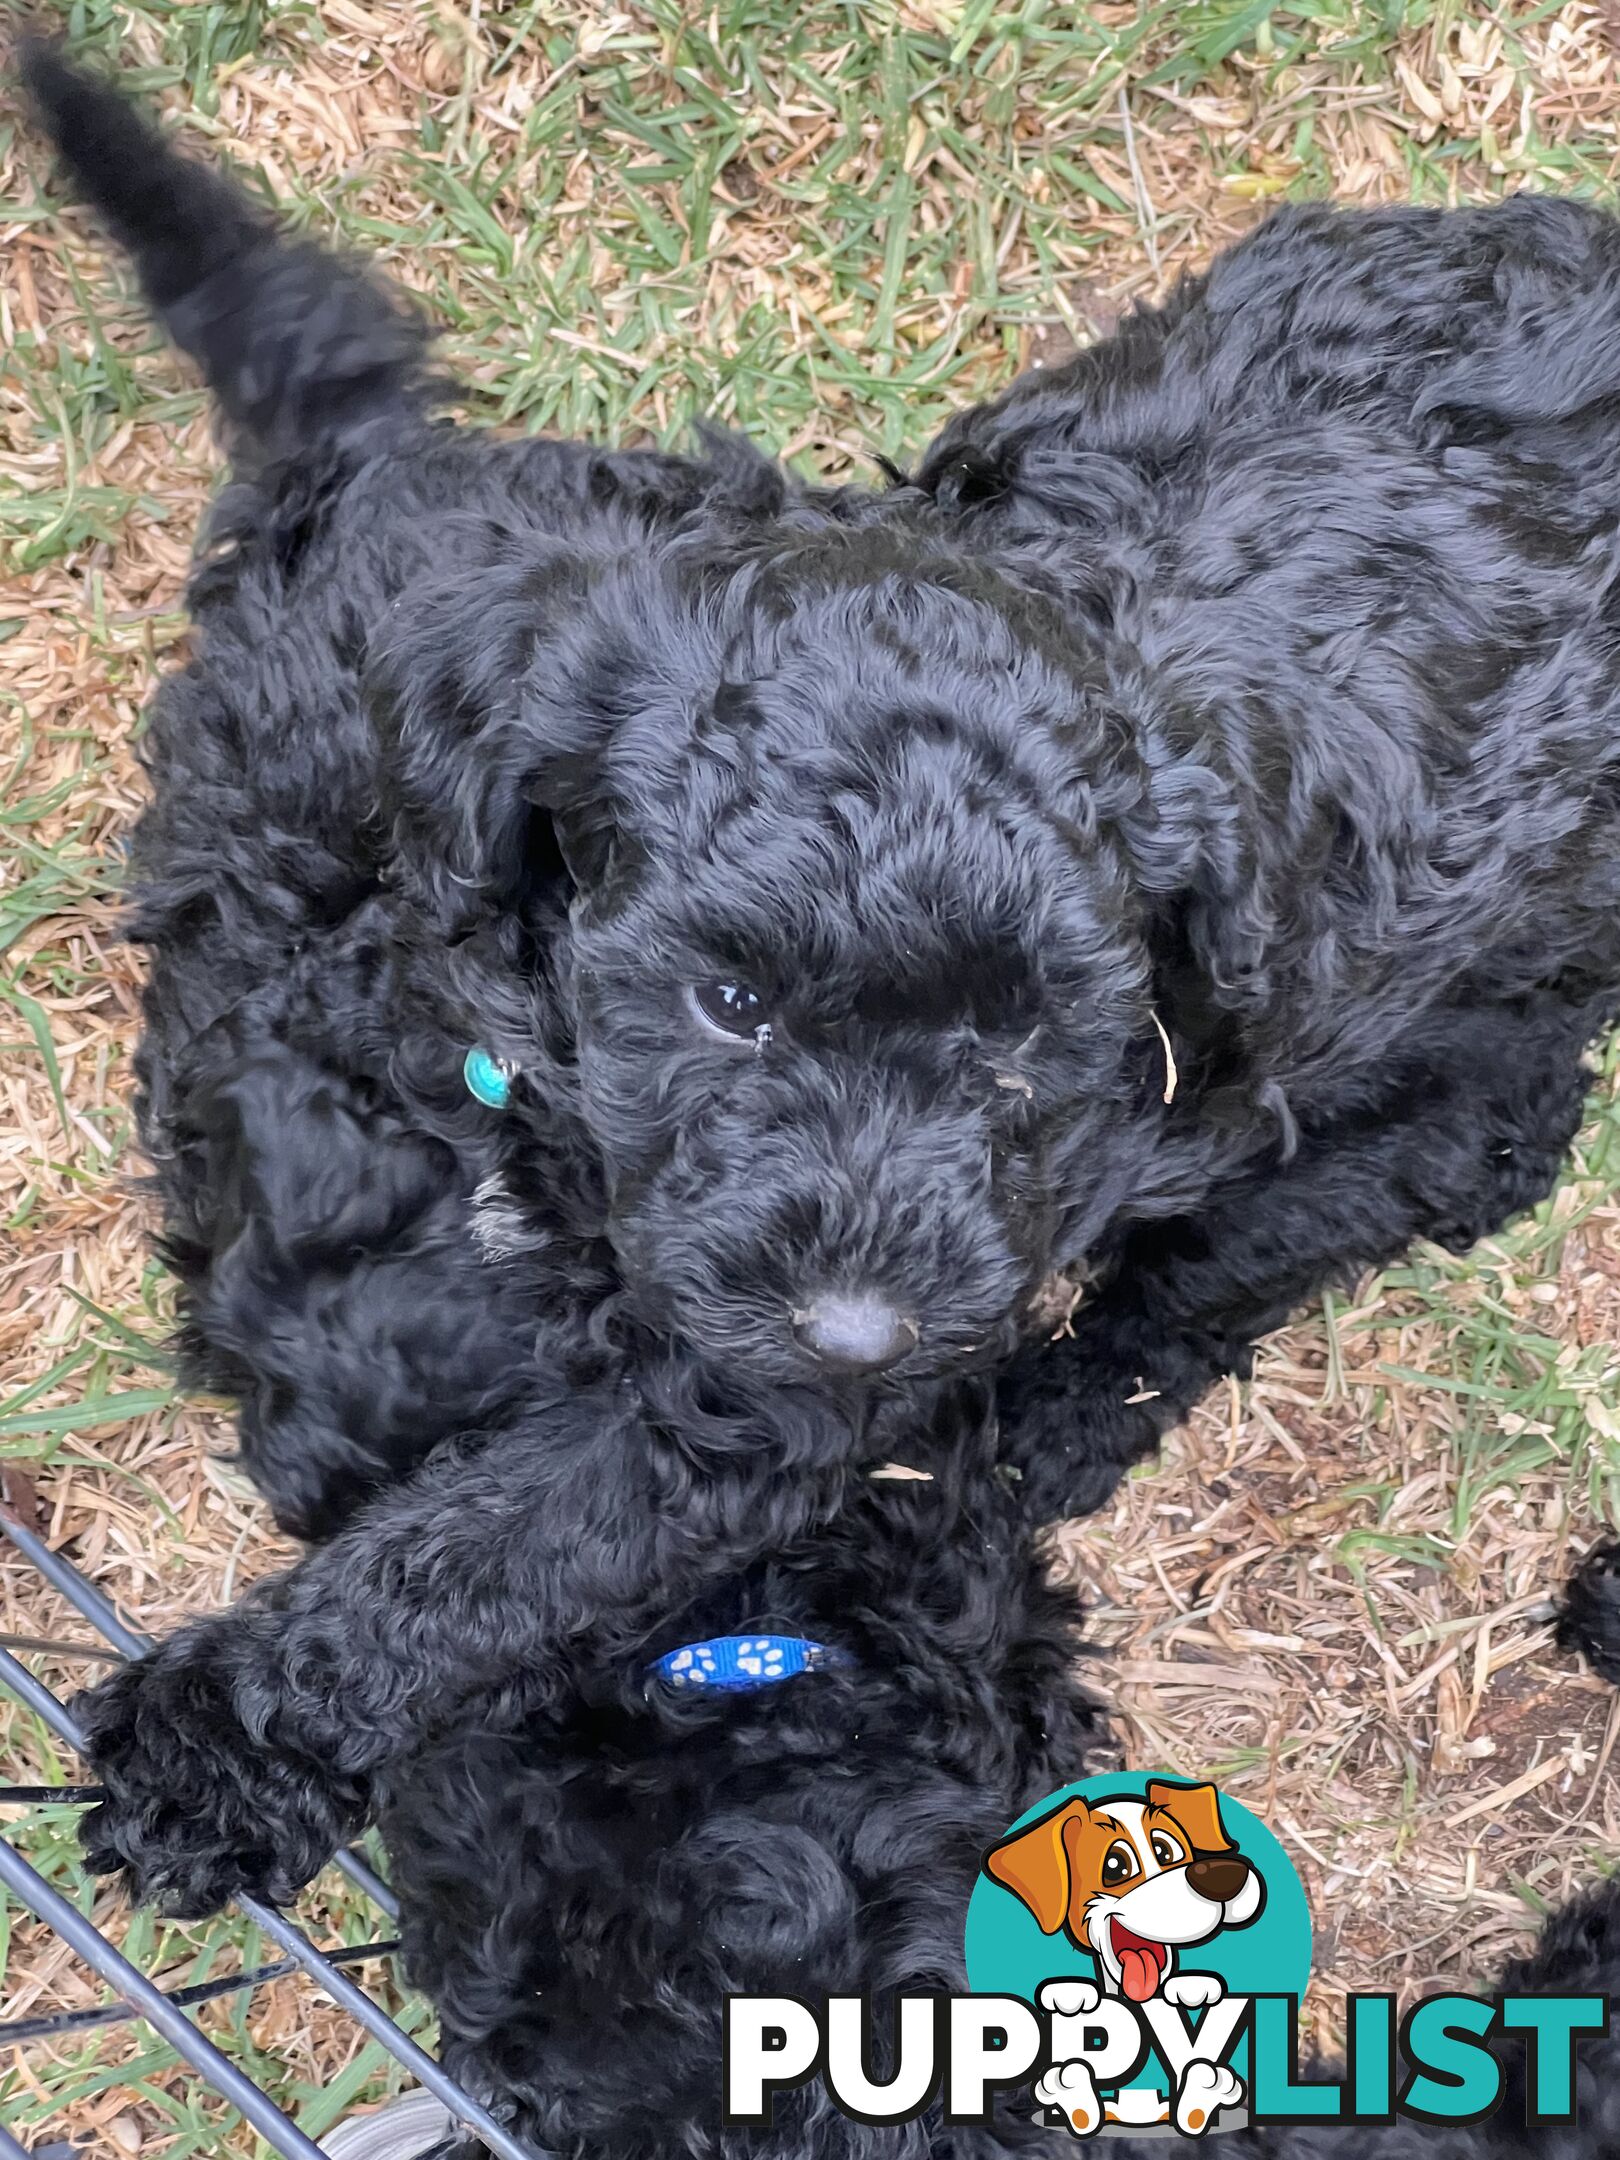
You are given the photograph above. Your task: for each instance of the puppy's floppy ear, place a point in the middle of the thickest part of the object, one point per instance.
(1034, 1865)
(491, 776)
(1198, 1810)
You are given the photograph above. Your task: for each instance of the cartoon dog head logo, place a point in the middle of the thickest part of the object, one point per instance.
(1132, 1880)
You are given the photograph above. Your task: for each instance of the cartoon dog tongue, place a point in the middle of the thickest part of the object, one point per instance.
(1140, 1962)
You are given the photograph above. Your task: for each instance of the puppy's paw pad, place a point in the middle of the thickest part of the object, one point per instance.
(196, 1808)
(1068, 1998)
(1192, 1990)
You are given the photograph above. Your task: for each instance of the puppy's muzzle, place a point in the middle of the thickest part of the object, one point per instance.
(858, 1333)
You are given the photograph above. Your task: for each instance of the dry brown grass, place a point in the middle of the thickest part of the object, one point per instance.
(1334, 1588)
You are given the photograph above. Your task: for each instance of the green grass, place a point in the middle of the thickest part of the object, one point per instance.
(839, 306)
(1529, 1398)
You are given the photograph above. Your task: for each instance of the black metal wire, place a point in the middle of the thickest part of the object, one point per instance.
(88, 1600)
(192, 2045)
(29, 1688)
(49, 1795)
(48, 1646)
(185, 1998)
(81, 1934)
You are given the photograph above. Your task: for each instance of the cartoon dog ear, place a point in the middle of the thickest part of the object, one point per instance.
(491, 775)
(1034, 1865)
(1198, 1810)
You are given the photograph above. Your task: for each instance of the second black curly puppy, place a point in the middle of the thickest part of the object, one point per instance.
(1176, 839)
(583, 1888)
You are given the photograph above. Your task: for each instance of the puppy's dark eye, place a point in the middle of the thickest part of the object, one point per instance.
(1119, 1864)
(731, 1009)
(1166, 1851)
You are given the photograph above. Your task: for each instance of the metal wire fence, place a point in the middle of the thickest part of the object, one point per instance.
(137, 1994)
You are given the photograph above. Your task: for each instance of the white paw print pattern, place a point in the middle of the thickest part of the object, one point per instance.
(695, 1666)
(761, 1658)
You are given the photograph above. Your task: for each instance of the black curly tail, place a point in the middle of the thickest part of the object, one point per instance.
(303, 352)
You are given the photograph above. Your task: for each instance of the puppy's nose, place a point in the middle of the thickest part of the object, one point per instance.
(1218, 1876)
(857, 1332)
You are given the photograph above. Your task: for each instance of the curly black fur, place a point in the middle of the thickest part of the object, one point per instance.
(1589, 1619)
(241, 1751)
(583, 1889)
(1255, 675)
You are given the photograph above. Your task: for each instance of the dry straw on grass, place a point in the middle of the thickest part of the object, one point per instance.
(829, 224)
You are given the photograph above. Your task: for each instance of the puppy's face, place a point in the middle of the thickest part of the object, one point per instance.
(852, 954)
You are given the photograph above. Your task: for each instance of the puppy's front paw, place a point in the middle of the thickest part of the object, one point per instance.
(1192, 1990)
(1204, 2090)
(196, 1810)
(1068, 1998)
(1070, 2088)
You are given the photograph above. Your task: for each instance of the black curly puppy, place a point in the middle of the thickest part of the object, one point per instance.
(1175, 840)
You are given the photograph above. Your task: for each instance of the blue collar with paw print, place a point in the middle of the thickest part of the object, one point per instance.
(736, 1664)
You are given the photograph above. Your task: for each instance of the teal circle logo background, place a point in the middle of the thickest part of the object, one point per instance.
(1008, 1955)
